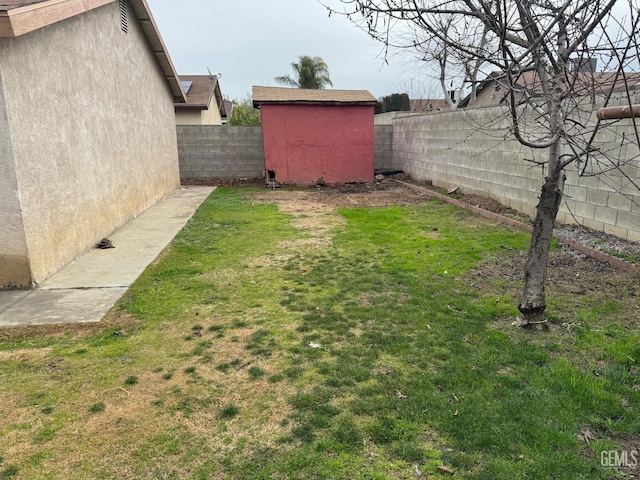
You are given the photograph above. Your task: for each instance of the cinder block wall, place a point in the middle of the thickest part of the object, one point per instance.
(220, 151)
(383, 146)
(450, 149)
(469, 149)
(466, 149)
(229, 151)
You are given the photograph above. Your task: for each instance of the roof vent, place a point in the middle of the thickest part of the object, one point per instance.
(124, 20)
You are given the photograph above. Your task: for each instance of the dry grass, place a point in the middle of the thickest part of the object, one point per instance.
(169, 423)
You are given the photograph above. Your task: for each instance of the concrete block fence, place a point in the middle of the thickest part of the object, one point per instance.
(220, 151)
(383, 146)
(226, 151)
(467, 149)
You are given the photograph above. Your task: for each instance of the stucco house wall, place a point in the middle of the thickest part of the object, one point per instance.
(91, 129)
(193, 117)
(189, 117)
(210, 116)
(14, 264)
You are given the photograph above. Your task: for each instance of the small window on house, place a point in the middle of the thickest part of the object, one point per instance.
(124, 20)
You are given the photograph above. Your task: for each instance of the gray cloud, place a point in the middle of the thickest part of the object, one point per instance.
(252, 41)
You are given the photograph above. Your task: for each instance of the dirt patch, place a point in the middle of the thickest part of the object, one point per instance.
(25, 355)
(315, 218)
(114, 320)
(570, 273)
(379, 194)
(628, 459)
(491, 205)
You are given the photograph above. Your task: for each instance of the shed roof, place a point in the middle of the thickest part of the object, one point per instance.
(18, 17)
(271, 95)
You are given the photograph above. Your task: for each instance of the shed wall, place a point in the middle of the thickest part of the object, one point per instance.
(306, 143)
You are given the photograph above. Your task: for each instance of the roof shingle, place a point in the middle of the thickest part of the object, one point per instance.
(201, 90)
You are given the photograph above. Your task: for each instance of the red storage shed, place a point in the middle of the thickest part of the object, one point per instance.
(316, 136)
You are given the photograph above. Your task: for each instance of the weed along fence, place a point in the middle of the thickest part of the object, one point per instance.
(449, 149)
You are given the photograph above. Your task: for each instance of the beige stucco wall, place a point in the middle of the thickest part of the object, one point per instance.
(211, 116)
(92, 128)
(189, 117)
(489, 96)
(14, 264)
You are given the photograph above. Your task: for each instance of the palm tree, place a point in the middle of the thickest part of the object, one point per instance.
(311, 72)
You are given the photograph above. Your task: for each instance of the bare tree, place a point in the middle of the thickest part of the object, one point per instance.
(538, 47)
(457, 70)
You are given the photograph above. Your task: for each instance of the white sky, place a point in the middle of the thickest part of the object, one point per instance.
(252, 41)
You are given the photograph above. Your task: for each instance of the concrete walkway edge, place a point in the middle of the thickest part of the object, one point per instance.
(87, 288)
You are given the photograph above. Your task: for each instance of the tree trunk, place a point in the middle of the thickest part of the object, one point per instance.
(533, 302)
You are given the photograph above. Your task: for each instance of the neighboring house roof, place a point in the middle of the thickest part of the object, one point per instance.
(273, 95)
(584, 83)
(18, 17)
(201, 90)
(429, 105)
(228, 108)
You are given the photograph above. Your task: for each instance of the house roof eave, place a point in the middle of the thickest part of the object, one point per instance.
(152, 33)
(191, 106)
(217, 92)
(32, 16)
(20, 20)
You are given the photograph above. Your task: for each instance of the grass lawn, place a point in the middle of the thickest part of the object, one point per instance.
(330, 343)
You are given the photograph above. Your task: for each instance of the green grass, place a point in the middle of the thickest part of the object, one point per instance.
(625, 256)
(363, 357)
(97, 408)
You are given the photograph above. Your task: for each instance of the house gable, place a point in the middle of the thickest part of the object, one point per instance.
(204, 105)
(18, 17)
